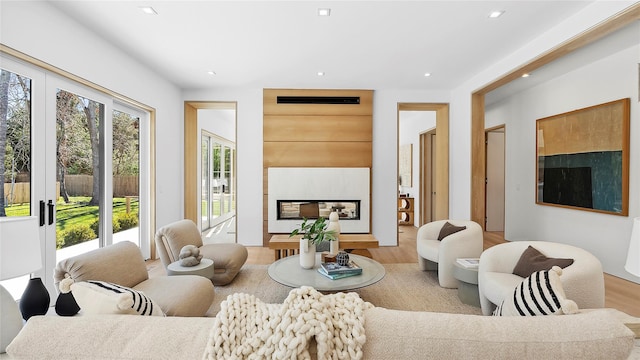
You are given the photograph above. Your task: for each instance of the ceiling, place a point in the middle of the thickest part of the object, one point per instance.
(284, 44)
(619, 40)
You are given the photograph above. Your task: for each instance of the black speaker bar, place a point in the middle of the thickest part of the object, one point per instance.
(346, 100)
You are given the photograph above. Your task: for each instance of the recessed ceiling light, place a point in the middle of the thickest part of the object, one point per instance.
(324, 12)
(496, 14)
(148, 10)
(427, 74)
(211, 72)
(320, 73)
(525, 75)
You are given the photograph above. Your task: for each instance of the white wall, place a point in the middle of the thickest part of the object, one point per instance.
(412, 124)
(606, 236)
(89, 56)
(221, 122)
(460, 111)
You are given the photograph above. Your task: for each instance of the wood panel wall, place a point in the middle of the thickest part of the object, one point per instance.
(315, 135)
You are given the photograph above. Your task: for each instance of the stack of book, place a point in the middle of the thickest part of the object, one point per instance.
(334, 271)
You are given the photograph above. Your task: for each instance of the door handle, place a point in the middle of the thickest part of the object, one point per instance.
(41, 212)
(51, 209)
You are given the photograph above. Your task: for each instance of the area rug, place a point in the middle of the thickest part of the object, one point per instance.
(404, 287)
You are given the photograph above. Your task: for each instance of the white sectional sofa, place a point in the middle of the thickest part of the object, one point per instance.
(390, 334)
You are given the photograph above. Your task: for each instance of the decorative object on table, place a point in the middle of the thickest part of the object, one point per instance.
(35, 299)
(342, 258)
(334, 225)
(335, 268)
(326, 257)
(313, 233)
(66, 304)
(19, 255)
(633, 257)
(337, 276)
(190, 255)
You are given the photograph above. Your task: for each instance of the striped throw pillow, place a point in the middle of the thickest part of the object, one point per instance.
(101, 297)
(540, 293)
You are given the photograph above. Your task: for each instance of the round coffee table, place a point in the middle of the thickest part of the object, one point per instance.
(205, 268)
(287, 271)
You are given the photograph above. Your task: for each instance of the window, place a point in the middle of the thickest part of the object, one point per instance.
(78, 157)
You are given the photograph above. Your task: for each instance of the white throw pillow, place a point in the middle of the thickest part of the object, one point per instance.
(100, 297)
(540, 293)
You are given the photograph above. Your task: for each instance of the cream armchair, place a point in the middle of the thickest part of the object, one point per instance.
(227, 258)
(122, 263)
(440, 255)
(582, 281)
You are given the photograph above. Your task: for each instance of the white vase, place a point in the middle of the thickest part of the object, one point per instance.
(334, 247)
(334, 224)
(307, 254)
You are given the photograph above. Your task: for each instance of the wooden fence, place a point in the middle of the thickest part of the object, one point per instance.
(77, 185)
(20, 193)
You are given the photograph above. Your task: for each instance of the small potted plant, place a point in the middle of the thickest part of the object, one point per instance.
(313, 233)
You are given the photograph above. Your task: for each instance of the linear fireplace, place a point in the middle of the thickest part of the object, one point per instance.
(297, 193)
(313, 209)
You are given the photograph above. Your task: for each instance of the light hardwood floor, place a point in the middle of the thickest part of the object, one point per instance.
(619, 293)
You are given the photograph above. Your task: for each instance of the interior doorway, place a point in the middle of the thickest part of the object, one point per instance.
(494, 203)
(437, 195)
(210, 167)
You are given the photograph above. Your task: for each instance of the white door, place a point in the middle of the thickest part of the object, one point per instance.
(22, 163)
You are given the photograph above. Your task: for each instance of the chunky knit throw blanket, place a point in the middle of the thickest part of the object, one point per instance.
(246, 328)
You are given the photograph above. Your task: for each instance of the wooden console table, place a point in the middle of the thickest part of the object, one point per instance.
(283, 245)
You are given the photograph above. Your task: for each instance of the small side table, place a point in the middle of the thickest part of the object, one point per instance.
(205, 268)
(467, 284)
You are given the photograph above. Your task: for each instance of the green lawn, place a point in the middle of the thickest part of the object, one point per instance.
(75, 212)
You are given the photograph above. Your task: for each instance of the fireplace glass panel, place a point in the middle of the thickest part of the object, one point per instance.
(313, 209)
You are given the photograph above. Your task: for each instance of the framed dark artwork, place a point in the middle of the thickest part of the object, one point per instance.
(582, 159)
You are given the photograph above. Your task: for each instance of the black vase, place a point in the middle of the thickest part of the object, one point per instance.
(35, 299)
(66, 305)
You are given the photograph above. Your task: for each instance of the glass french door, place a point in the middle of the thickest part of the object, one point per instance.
(218, 181)
(204, 181)
(20, 107)
(77, 159)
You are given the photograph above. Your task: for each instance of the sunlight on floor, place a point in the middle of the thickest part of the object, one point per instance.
(222, 233)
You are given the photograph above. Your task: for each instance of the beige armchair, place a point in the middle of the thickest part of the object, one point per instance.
(227, 258)
(122, 263)
(582, 281)
(440, 255)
